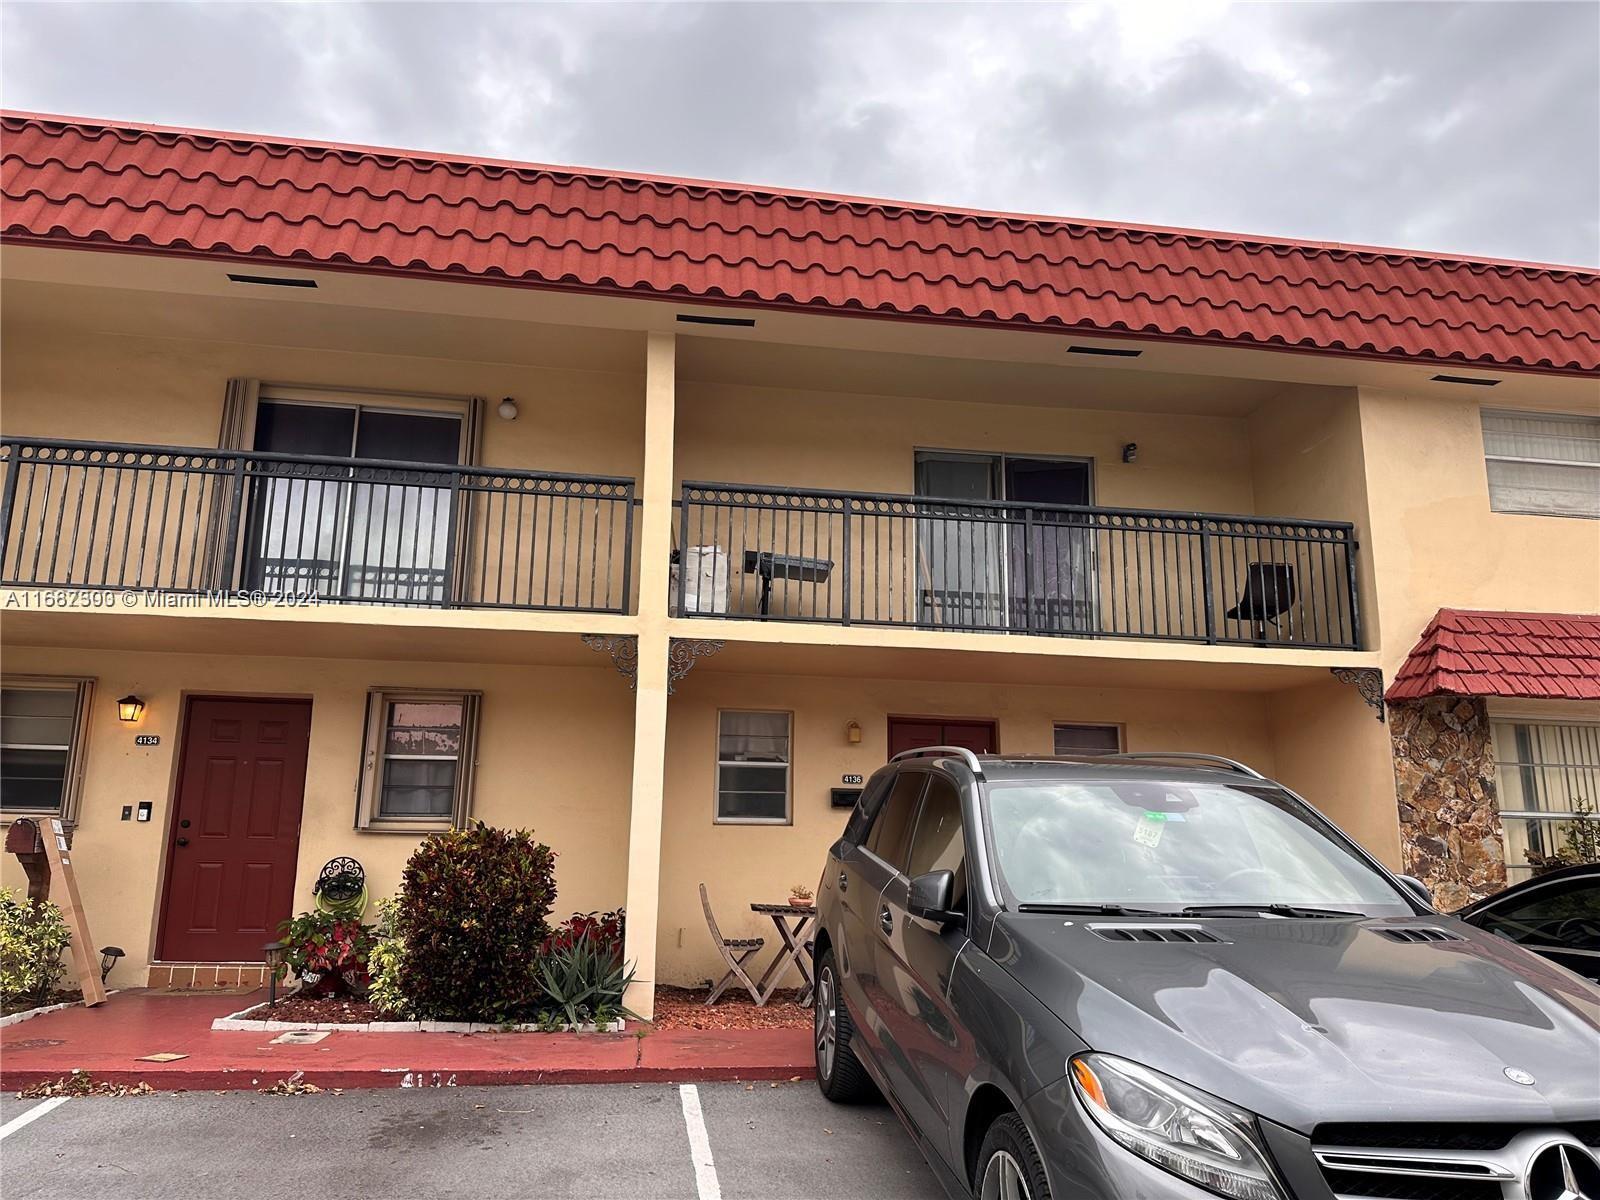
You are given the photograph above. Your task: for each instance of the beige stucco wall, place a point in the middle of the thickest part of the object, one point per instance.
(76, 383)
(741, 864)
(553, 756)
(731, 434)
(1434, 543)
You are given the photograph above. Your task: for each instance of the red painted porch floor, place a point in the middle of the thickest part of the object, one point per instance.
(107, 1041)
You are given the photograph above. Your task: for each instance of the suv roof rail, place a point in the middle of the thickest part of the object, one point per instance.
(960, 752)
(1184, 756)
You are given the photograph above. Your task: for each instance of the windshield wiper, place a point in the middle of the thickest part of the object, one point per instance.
(1092, 910)
(1275, 910)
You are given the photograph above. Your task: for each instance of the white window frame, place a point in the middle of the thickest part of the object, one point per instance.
(787, 767)
(77, 748)
(1579, 775)
(1564, 463)
(369, 803)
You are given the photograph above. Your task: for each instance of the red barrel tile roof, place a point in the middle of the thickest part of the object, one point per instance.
(69, 182)
(1543, 656)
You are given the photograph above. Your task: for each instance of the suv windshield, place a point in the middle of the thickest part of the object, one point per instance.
(1172, 845)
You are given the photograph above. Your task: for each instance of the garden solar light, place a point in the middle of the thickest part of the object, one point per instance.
(272, 952)
(108, 959)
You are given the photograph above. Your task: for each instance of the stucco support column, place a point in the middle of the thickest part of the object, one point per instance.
(650, 696)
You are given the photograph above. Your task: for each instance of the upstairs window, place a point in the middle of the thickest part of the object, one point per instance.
(1544, 464)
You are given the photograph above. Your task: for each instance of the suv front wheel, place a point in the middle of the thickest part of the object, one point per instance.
(840, 1075)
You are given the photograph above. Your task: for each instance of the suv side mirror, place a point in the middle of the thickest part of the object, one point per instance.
(930, 897)
(1419, 888)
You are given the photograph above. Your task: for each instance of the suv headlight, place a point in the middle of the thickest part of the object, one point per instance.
(1205, 1140)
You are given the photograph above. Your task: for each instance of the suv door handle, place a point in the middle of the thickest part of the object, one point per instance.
(844, 881)
(886, 919)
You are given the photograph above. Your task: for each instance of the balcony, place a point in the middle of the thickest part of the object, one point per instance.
(93, 515)
(920, 562)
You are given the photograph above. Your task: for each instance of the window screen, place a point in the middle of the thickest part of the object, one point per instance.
(1542, 463)
(419, 759)
(753, 750)
(38, 730)
(1088, 739)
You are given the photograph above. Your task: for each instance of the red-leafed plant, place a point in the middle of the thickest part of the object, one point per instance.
(333, 948)
(604, 929)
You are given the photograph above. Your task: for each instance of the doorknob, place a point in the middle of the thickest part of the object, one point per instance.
(183, 841)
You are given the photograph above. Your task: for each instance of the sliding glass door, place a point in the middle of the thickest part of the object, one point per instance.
(981, 565)
(351, 532)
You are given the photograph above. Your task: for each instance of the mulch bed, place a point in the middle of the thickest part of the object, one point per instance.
(64, 996)
(685, 1008)
(321, 1009)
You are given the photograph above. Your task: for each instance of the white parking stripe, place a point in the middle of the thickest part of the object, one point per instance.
(705, 1170)
(33, 1114)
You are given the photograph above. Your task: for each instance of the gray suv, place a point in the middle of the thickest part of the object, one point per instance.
(1166, 977)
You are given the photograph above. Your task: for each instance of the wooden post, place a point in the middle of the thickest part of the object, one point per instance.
(57, 852)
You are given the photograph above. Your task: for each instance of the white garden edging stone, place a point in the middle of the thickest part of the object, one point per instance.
(243, 1022)
(30, 1013)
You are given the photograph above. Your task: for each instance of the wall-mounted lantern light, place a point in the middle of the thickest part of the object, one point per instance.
(507, 409)
(130, 708)
(852, 733)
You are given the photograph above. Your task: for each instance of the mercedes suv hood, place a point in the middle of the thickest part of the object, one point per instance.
(1310, 1020)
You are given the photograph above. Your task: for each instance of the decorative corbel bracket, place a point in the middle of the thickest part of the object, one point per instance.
(624, 651)
(683, 653)
(1368, 683)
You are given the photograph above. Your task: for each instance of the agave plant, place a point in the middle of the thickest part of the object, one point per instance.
(584, 978)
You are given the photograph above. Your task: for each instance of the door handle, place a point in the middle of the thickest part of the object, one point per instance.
(183, 841)
(844, 881)
(886, 919)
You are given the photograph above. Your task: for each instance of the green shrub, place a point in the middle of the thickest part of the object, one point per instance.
(32, 938)
(474, 907)
(384, 963)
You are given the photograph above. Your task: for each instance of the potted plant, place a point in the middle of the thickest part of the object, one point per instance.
(800, 896)
(328, 953)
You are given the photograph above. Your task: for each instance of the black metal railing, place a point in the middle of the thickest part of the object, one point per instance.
(366, 531)
(786, 554)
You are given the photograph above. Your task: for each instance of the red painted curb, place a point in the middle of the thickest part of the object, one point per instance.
(239, 1080)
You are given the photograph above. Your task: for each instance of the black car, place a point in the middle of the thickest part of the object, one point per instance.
(1167, 977)
(1556, 915)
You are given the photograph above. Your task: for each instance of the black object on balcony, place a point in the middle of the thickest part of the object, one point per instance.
(1268, 594)
(100, 515)
(1017, 567)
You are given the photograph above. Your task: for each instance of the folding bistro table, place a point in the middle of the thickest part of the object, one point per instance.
(794, 924)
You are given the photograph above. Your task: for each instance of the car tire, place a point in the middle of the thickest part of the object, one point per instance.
(1009, 1167)
(840, 1075)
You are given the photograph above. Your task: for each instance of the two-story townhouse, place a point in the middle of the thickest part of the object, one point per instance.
(352, 493)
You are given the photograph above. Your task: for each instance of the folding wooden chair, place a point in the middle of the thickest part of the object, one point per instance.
(735, 952)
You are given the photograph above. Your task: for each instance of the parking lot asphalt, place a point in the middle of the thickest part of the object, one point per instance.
(761, 1142)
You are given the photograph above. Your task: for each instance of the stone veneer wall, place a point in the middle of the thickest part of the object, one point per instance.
(1445, 778)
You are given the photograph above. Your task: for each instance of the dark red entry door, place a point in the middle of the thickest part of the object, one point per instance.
(236, 831)
(912, 733)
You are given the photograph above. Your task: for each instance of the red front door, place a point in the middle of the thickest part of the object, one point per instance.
(236, 831)
(912, 733)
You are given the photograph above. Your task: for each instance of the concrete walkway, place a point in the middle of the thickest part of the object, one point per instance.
(107, 1042)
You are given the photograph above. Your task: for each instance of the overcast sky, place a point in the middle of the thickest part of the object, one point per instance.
(1472, 127)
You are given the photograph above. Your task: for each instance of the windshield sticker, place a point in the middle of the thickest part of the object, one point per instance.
(1150, 827)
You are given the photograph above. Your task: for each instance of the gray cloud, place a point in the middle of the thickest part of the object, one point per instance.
(1472, 127)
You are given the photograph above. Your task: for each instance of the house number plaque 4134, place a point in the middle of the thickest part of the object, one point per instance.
(147, 739)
